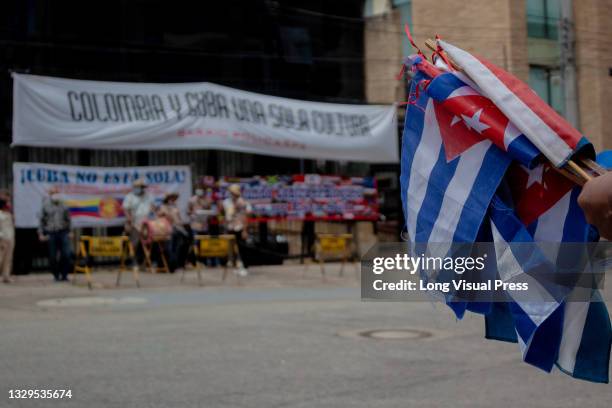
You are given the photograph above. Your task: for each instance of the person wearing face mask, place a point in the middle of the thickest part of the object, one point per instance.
(7, 240)
(200, 209)
(55, 230)
(177, 247)
(137, 206)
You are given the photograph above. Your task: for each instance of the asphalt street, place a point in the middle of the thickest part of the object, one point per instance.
(269, 347)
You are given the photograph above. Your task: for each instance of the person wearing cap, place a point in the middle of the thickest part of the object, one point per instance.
(54, 229)
(137, 206)
(7, 239)
(177, 246)
(236, 210)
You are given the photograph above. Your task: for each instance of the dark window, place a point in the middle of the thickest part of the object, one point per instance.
(302, 49)
(543, 18)
(546, 82)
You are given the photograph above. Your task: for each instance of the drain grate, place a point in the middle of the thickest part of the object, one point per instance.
(395, 334)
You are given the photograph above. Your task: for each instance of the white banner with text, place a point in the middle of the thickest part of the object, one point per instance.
(94, 195)
(58, 112)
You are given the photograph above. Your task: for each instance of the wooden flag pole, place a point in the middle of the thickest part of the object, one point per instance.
(593, 166)
(579, 170)
(569, 175)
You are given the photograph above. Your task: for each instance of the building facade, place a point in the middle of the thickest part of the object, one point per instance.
(309, 50)
(561, 47)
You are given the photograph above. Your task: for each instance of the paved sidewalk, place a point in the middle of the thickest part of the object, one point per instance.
(27, 288)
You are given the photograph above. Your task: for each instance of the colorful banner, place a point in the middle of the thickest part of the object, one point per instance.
(58, 112)
(307, 196)
(93, 194)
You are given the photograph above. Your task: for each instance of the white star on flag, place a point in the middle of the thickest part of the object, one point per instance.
(474, 122)
(535, 175)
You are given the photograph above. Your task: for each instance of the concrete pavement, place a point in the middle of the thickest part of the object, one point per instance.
(277, 339)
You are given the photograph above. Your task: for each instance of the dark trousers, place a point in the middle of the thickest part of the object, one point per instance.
(59, 254)
(176, 250)
(241, 243)
(308, 240)
(134, 235)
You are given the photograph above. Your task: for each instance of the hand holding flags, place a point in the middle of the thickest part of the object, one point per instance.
(481, 152)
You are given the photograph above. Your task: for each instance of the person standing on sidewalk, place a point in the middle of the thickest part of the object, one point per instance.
(55, 230)
(236, 211)
(178, 245)
(203, 219)
(200, 209)
(7, 240)
(138, 205)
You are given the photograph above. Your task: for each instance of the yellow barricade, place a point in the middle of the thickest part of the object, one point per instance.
(106, 246)
(333, 246)
(111, 247)
(215, 246)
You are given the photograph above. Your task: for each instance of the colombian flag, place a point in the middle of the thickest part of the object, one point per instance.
(106, 207)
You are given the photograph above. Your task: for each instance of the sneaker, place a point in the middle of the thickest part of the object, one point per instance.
(242, 272)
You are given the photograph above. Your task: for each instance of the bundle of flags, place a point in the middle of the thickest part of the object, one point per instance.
(479, 156)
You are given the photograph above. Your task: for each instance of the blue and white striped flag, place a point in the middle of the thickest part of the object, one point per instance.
(567, 331)
(452, 166)
(445, 199)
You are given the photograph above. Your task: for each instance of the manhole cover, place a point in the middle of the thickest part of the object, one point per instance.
(91, 301)
(395, 334)
(387, 334)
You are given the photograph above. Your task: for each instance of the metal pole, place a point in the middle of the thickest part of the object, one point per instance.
(568, 62)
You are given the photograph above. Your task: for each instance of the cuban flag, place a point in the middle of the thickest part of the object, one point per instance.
(541, 124)
(472, 118)
(448, 178)
(457, 146)
(552, 329)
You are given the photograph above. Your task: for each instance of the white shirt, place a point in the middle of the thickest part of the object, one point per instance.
(139, 207)
(236, 212)
(7, 230)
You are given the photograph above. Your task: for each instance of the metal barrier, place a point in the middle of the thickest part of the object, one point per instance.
(112, 247)
(214, 247)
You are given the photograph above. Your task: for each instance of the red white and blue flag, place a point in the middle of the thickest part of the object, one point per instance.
(540, 123)
(457, 147)
(571, 332)
(447, 182)
(467, 117)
